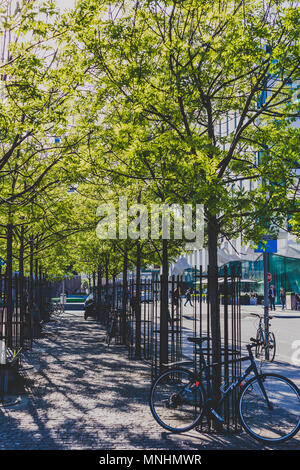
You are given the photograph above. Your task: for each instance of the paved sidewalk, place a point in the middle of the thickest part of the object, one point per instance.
(82, 394)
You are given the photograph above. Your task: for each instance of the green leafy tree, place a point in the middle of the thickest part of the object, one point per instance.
(183, 70)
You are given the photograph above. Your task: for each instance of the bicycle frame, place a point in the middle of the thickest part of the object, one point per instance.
(252, 368)
(261, 331)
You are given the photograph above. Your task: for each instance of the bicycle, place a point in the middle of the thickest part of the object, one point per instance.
(112, 327)
(58, 308)
(263, 344)
(268, 404)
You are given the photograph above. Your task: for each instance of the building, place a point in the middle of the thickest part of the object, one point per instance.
(284, 265)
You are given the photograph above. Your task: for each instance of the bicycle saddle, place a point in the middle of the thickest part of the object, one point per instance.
(197, 340)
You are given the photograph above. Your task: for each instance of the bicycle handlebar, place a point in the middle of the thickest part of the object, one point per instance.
(254, 343)
(260, 316)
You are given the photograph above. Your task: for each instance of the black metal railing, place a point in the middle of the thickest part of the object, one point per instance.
(21, 318)
(139, 320)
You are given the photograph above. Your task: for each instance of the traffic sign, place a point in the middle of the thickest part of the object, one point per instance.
(270, 246)
(269, 277)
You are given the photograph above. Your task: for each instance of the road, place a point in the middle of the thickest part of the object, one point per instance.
(82, 394)
(286, 328)
(285, 325)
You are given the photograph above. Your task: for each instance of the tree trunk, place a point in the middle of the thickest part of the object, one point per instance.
(41, 293)
(214, 304)
(124, 298)
(106, 289)
(99, 287)
(164, 304)
(30, 294)
(94, 282)
(21, 286)
(138, 324)
(9, 283)
(37, 292)
(114, 290)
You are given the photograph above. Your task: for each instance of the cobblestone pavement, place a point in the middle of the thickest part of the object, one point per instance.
(82, 394)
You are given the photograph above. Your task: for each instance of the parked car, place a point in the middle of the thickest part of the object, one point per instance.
(90, 307)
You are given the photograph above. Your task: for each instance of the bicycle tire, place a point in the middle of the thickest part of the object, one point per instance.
(169, 402)
(271, 346)
(257, 418)
(110, 332)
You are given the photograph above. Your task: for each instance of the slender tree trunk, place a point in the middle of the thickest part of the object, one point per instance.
(124, 298)
(94, 282)
(214, 304)
(164, 304)
(99, 288)
(21, 286)
(41, 292)
(114, 290)
(9, 283)
(30, 299)
(138, 324)
(37, 290)
(106, 288)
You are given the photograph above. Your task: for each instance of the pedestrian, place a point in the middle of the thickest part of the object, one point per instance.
(188, 297)
(272, 294)
(297, 301)
(282, 298)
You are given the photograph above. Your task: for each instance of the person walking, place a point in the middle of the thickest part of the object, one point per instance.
(282, 298)
(188, 297)
(272, 294)
(297, 302)
(175, 301)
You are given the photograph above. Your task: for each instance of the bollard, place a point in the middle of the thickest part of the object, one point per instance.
(2, 352)
(3, 371)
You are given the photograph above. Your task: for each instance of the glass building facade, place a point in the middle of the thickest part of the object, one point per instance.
(285, 274)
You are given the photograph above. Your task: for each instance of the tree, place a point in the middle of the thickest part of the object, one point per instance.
(38, 82)
(183, 71)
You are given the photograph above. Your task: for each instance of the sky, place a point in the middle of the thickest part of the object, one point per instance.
(65, 4)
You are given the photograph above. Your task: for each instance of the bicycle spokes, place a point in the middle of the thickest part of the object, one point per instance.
(176, 400)
(273, 418)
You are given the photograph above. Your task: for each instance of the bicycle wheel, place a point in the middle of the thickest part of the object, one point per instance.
(270, 425)
(110, 332)
(176, 400)
(271, 345)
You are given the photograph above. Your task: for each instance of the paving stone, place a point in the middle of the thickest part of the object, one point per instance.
(81, 394)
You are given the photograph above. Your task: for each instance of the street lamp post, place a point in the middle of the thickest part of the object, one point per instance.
(266, 301)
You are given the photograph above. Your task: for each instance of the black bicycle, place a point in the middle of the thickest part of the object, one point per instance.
(112, 326)
(264, 344)
(268, 404)
(57, 308)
